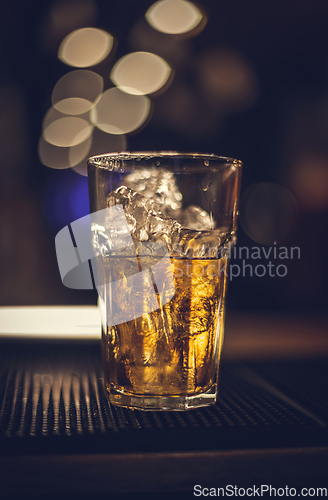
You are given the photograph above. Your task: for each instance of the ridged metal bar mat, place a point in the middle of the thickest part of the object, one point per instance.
(52, 401)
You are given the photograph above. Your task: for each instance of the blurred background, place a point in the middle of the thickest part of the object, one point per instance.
(247, 80)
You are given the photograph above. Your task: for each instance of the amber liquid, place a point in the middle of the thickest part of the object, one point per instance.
(175, 349)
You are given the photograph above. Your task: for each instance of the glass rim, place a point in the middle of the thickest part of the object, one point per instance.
(101, 161)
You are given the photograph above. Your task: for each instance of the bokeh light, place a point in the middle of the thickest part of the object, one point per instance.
(64, 16)
(175, 50)
(63, 157)
(117, 112)
(268, 212)
(102, 143)
(140, 73)
(85, 47)
(76, 92)
(309, 182)
(67, 131)
(226, 79)
(77, 154)
(73, 106)
(65, 198)
(173, 16)
(68, 14)
(53, 114)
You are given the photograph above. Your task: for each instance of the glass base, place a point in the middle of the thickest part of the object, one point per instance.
(149, 402)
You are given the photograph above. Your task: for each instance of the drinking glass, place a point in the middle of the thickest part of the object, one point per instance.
(166, 225)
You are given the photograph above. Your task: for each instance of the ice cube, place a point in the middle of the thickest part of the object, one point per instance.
(195, 218)
(160, 185)
(144, 216)
(157, 183)
(147, 223)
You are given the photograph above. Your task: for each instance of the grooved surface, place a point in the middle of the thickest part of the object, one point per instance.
(55, 395)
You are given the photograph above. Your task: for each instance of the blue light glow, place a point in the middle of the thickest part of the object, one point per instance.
(65, 198)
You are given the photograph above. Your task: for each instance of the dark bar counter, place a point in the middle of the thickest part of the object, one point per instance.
(59, 433)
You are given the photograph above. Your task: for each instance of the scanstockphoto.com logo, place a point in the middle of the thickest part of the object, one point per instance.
(240, 262)
(274, 259)
(83, 246)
